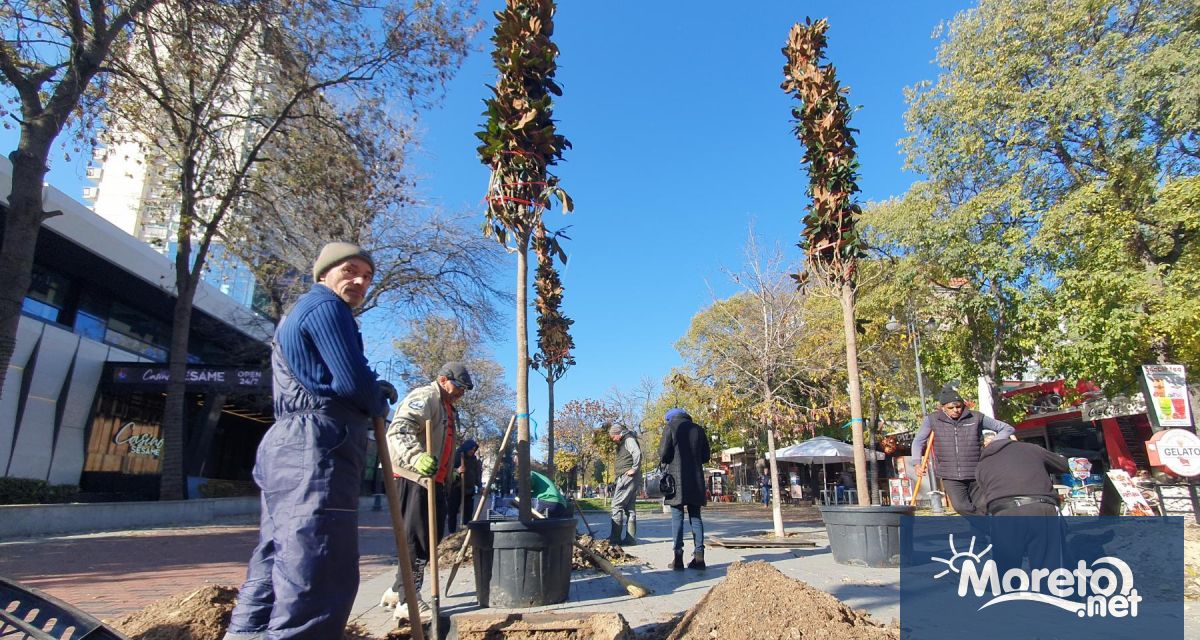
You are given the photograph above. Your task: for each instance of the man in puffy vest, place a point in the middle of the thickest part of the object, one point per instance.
(628, 467)
(957, 431)
(303, 574)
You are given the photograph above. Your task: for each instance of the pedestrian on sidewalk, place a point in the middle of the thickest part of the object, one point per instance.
(684, 449)
(764, 487)
(433, 403)
(303, 575)
(956, 433)
(628, 466)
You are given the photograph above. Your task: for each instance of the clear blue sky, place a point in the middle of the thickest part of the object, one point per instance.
(682, 139)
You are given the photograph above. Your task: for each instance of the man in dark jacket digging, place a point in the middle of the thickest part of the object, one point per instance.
(1015, 478)
(684, 449)
(956, 431)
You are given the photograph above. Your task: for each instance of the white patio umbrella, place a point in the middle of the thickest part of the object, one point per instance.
(821, 450)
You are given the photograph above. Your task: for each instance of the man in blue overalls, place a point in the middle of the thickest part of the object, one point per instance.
(303, 575)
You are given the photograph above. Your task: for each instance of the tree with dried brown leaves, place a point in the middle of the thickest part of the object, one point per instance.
(830, 239)
(519, 142)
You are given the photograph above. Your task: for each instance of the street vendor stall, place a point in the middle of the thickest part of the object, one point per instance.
(1117, 436)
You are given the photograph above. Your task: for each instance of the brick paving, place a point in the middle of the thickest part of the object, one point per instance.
(109, 575)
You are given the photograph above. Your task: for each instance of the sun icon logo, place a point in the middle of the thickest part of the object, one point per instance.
(957, 558)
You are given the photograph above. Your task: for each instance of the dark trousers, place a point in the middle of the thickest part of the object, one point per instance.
(1035, 534)
(415, 509)
(454, 507)
(962, 495)
(303, 574)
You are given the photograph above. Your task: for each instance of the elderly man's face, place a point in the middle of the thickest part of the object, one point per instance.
(451, 390)
(350, 281)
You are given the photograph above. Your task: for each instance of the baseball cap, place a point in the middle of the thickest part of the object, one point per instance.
(457, 373)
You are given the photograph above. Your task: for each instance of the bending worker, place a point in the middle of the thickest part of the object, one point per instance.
(628, 485)
(957, 431)
(433, 403)
(303, 574)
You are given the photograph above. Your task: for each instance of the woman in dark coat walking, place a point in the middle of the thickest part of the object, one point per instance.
(684, 449)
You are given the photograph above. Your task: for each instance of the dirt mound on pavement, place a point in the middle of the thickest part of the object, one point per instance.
(756, 601)
(202, 614)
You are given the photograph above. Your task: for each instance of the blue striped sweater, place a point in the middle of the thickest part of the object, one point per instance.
(324, 348)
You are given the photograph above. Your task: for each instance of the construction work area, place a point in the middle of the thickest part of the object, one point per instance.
(180, 584)
(153, 585)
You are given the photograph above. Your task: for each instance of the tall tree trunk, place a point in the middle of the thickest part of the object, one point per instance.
(523, 379)
(171, 486)
(856, 415)
(21, 227)
(550, 424)
(773, 466)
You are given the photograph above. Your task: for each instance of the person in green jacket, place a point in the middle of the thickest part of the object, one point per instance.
(547, 499)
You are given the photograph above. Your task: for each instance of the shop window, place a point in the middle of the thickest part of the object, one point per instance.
(135, 331)
(48, 293)
(91, 316)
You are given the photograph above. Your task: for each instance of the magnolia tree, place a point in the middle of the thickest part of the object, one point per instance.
(519, 143)
(830, 239)
(555, 343)
(51, 55)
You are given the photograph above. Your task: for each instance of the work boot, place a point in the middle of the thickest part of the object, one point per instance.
(677, 563)
(630, 531)
(697, 560)
(614, 535)
(401, 613)
(389, 599)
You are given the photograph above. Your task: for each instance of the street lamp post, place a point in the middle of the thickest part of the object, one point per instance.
(935, 496)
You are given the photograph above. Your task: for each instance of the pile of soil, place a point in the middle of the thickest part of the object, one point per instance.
(202, 614)
(448, 550)
(755, 600)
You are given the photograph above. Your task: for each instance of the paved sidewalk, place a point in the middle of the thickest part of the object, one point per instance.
(112, 574)
(109, 575)
(673, 592)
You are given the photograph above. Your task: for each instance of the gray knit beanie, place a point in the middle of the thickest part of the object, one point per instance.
(336, 253)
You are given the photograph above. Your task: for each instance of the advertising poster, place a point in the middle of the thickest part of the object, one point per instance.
(1166, 392)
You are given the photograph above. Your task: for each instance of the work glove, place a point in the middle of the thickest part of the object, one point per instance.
(425, 464)
(388, 391)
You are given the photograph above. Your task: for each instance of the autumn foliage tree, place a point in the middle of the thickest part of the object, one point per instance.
(830, 237)
(582, 440)
(519, 142)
